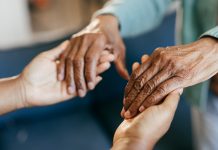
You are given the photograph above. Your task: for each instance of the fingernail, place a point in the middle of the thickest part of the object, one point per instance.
(71, 90)
(60, 77)
(81, 93)
(142, 108)
(91, 85)
(127, 114)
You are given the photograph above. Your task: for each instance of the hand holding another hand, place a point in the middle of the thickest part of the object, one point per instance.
(39, 82)
(169, 69)
(145, 130)
(78, 64)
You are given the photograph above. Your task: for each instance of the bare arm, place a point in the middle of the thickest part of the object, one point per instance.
(11, 96)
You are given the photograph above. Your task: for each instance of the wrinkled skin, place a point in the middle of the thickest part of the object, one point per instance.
(145, 130)
(169, 69)
(78, 63)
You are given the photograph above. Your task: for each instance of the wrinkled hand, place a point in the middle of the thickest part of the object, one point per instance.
(214, 84)
(78, 63)
(143, 131)
(169, 69)
(39, 79)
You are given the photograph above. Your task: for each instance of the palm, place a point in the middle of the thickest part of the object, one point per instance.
(40, 76)
(145, 124)
(152, 123)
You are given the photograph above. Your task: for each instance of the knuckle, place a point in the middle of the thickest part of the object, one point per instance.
(184, 74)
(138, 85)
(100, 40)
(63, 56)
(141, 96)
(85, 39)
(78, 61)
(173, 63)
(88, 58)
(150, 86)
(152, 100)
(69, 59)
(161, 90)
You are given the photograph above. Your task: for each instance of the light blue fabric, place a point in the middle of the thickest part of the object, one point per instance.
(138, 16)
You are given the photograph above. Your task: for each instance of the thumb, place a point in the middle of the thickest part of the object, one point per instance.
(56, 52)
(121, 65)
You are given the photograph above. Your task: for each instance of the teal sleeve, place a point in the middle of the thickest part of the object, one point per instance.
(197, 95)
(212, 32)
(135, 16)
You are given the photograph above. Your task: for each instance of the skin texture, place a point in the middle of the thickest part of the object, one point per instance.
(169, 69)
(38, 85)
(143, 131)
(214, 84)
(78, 63)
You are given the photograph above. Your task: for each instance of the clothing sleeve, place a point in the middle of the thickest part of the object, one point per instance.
(212, 32)
(135, 16)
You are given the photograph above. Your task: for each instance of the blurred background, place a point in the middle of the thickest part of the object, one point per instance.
(28, 27)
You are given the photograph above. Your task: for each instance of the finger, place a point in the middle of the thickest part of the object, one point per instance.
(122, 112)
(98, 80)
(161, 91)
(62, 64)
(120, 63)
(61, 69)
(54, 53)
(103, 67)
(70, 77)
(91, 61)
(70, 67)
(144, 58)
(135, 75)
(79, 67)
(106, 58)
(148, 88)
(135, 66)
(138, 85)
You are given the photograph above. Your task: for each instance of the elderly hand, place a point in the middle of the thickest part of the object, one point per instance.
(80, 60)
(169, 69)
(39, 79)
(143, 131)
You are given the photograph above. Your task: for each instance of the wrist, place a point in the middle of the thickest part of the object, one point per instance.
(21, 92)
(109, 25)
(132, 143)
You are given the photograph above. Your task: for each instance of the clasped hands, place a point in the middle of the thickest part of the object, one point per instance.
(78, 63)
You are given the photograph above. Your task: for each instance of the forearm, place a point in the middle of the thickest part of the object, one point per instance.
(136, 16)
(11, 96)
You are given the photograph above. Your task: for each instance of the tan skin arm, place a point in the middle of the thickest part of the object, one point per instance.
(38, 85)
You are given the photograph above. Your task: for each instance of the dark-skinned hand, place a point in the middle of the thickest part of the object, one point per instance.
(78, 64)
(169, 69)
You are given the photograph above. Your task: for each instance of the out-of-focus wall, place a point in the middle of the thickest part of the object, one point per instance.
(22, 24)
(15, 26)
